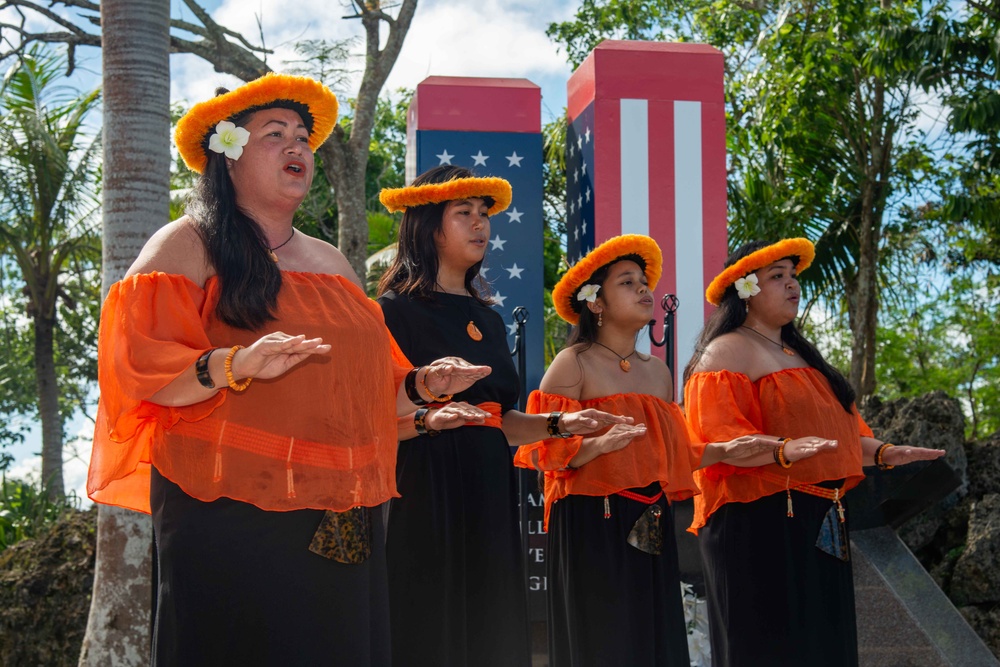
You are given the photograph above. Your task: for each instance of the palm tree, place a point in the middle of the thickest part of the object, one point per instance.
(48, 173)
(136, 70)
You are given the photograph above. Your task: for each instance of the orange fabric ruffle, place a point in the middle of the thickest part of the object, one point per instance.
(321, 436)
(791, 403)
(666, 454)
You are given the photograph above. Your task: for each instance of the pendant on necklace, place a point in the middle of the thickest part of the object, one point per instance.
(626, 366)
(787, 351)
(274, 257)
(473, 331)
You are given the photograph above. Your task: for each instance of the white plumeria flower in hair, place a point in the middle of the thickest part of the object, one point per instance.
(588, 293)
(229, 139)
(746, 286)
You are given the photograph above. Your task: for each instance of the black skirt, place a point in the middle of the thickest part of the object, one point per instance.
(774, 598)
(611, 604)
(237, 585)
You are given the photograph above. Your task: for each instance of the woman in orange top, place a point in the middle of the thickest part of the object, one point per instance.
(614, 593)
(772, 528)
(260, 494)
(456, 578)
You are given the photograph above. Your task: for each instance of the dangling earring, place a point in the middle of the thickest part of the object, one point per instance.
(747, 304)
(600, 319)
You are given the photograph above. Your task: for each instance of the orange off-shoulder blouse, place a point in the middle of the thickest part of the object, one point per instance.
(792, 403)
(321, 436)
(666, 454)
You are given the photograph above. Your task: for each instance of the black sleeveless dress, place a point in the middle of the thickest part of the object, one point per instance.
(457, 593)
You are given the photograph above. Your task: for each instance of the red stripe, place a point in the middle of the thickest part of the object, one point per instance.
(638, 497)
(607, 170)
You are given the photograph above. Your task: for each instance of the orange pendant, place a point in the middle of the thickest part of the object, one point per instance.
(274, 257)
(473, 331)
(787, 351)
(626, 366)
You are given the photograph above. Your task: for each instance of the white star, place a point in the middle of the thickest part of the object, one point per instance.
(583, 167)
(571, 207)
(576, 233)
(579, 143)
(584, 225)
(480, 159)
(497, 243)
(579, 200)
(445, 157)
(483, 270)
(588, 195)
(514, 271)
(515, 215)
(571, 151)
(587, 135)
(499, 298)
(514, 159)
(576, 175)
(511, 329)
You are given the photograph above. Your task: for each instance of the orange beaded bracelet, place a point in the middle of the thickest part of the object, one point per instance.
(779, 454)
(233, 384)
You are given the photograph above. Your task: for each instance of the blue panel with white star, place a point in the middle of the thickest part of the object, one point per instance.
(580, 186)
(514, 265)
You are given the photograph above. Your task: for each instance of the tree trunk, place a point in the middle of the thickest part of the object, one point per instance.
(48, 402)
(345, 159)
(865, 300)
(136, 189)
(341, 168)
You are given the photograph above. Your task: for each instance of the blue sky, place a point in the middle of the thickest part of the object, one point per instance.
(491, 38)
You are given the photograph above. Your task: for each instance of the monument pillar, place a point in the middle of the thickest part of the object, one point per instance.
(646, 154)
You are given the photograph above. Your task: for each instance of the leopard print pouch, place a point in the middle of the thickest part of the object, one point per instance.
(345, 537)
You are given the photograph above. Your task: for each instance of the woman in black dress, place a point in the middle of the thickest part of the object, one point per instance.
(456, 581)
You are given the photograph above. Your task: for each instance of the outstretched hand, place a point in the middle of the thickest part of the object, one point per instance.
(589, 420)
(274, 354)
(748, 446)
(451, 375)
(803, 448)
(619, 437)
(454, 415)
(899, 455)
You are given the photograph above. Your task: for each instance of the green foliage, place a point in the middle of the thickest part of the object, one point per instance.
(597, 20)
(957, 57)
(49, 238)
(949, 341)
(929, 339)
(26, 509)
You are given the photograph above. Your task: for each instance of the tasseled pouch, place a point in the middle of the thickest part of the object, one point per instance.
(345, 537)
(647, 533)
(832, 537)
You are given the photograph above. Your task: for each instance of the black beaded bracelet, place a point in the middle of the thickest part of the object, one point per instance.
(879, 453)
(420, 422)
(552, 426)
(410, 385)
(201, 370)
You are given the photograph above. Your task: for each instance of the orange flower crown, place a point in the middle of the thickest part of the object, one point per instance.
(564, 293)
(400, 199)
(799, 247)
(195, 127)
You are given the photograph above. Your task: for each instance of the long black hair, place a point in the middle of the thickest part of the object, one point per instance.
(249, 280)
(414, 269)
(731, 314)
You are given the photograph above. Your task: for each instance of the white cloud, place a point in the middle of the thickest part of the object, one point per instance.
(488, 38)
